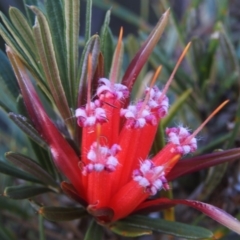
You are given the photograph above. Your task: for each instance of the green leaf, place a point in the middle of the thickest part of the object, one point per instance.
(6, 234)
(47, 55)
(11, 206)
(19, 45)
(93, 47)
(213, 179)
(4, 107)
(175, 108)
(62, 213)
(123, 13)
(123, 229)
(30, 14)
(228, 47)
(71, 17)
(167, 227)
(9, 89)
(14, 172)
(11, 41)
(56, 23)
(198, 52)
(7, 77)
(44, 159)
(41, 228)
(95, 231)
(107, 48)
(26, 127)
(208, 62)
(88, 20)
(31, 167)
(23, 192)
(23, 28)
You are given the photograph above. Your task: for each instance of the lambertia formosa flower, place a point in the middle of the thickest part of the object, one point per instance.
(113, 175)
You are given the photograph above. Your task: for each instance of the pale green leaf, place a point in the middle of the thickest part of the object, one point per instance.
(47, 55)
(71, 19)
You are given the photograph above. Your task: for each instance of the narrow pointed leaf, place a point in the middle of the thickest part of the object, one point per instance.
(213, 212)
(95, 231)
(70, 191)
(31, 167)
(14, 172)
(168, 227)
(23, 28)
(107, 43)
(47, 55)
(23, 123)
(20, 44)
(93, 47)
(30, 14)
(23, 192)
(88, 20)
(123, 229)
(11, 206)
(4, 107)
(9, 89)
(5, 233)
(60, 149)
(123, 13)
(7, 78)
(11, 42)
(41, 228)
(228, 47)
(44, 159)
(194, 164)
(54, 11)
(212, 180)
(62, 213)
(141, 57)
(71, 18)
(176, 106)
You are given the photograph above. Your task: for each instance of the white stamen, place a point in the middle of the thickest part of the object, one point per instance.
(178, 137)
(150, 177)
(91, 114)
(110, 90)
(102, 158)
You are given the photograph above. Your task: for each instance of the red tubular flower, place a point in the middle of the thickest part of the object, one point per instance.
(114, 174)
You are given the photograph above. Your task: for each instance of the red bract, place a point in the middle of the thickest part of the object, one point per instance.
(114, 176)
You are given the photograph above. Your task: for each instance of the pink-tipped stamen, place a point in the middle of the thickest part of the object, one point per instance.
(177, 136)
(150, 177)
(101, 158)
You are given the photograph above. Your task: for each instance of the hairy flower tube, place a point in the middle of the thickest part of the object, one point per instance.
(114, 175)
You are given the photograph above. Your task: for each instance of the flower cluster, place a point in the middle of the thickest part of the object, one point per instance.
(114, 176)
(116, 142)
